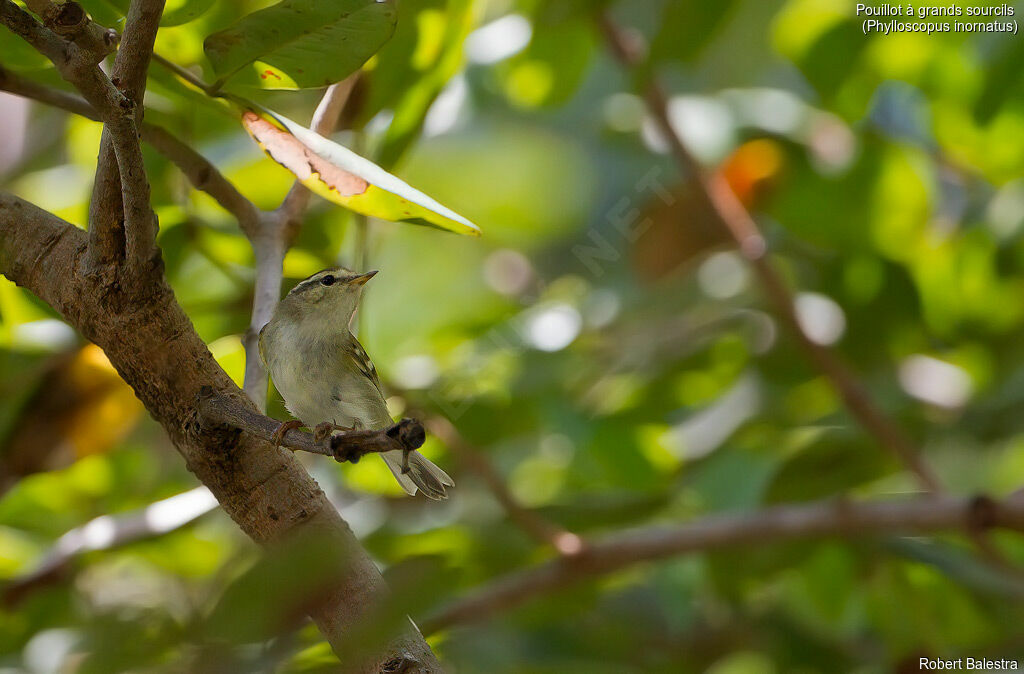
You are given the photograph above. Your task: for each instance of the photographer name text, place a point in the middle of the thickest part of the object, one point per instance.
(974, 664)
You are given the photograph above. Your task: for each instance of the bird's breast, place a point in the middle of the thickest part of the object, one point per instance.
(311, 374)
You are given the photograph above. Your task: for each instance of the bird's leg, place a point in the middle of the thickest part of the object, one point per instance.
(285, 426)
(323, 430)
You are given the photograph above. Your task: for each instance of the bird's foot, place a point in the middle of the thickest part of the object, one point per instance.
(322, 432)
(285, 426)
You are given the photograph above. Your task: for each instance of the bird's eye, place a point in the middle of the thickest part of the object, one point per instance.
(328, 280)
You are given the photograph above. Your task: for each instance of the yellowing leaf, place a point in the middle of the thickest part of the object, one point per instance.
(340, 175)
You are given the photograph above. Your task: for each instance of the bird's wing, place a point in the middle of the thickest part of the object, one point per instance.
(263, 355)
(365, 366)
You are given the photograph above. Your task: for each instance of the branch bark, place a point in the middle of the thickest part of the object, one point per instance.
(771, 525)
(121, 222)
(737, 222)
(70, 21)
(153, 346)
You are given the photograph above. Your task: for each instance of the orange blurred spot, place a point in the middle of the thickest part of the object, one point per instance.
(107, 409)
(752, 168)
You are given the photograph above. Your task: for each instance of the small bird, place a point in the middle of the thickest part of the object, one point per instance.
(325, 376)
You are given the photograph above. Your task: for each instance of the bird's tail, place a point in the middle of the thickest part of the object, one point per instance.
(422, 475)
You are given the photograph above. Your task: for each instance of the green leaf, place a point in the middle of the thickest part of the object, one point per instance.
(300, 44)
(420, 93)
(832, 59)
(340, 175)
(687, 27)
(831, 465)
(1002, 80)
(108, 13)
(177, 12)
(111, 13)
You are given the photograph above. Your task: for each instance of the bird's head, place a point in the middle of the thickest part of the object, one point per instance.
(329, 294)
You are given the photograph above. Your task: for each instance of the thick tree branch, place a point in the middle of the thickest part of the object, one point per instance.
(771, 525)
(121, 222)
(734, 219)
(155, 349)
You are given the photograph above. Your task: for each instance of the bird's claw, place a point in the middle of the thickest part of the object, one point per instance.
(322, 432)
(285, 426)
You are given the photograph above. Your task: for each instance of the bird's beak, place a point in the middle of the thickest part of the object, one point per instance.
(362, 278)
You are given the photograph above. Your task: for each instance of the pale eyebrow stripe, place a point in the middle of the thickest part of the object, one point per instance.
(306, 284)
(313, 280)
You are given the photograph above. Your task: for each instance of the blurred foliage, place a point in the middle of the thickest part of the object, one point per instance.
(599, 344)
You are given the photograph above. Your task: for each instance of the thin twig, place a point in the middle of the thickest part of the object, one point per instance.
(734, 219)
(778, 524)
(219, 410)
(269, 249)
(184, 74)
(540, 529)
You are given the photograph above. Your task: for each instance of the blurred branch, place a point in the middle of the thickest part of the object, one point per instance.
(827, 519)
(269, 248)
(270, 241)
(406, 435)
(70, 21)
(734, 219)
(121, 220)
(203, 175)
(112, 531)
(540, 529)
